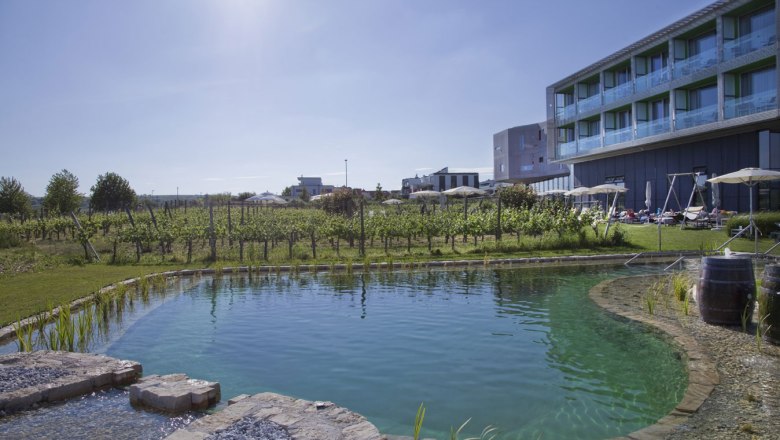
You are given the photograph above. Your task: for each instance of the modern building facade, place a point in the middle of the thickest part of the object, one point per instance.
(441, 180)
(699, 96)
(520, 156)
(313, 186)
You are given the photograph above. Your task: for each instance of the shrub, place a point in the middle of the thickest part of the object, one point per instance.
(8, 239)
(518, 196)
(765, 222)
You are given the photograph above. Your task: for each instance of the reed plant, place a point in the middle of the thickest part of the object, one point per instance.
(680, 285)
(686, 305)
(24, 335)
(651, 295)
(418, 421)
(745, 317)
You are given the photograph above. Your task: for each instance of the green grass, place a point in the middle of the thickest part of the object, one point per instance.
(54, 272)
(26, 294)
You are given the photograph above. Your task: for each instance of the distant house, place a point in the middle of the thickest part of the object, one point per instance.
(313, 186)
(441, 180)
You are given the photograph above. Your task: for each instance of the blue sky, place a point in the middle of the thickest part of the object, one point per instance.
(218, 96)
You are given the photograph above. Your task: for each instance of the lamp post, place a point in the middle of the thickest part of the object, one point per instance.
(346, 175)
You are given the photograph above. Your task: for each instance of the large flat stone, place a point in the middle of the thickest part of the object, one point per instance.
(79, 374)
(303, 419)
(175, 393)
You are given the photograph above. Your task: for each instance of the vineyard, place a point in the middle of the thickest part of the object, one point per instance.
(260, 234)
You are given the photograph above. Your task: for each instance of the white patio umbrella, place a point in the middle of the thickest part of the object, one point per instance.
(579, 191)
(608, 188)
(716, 201)
(424, 194)
(268, 199)
(392, 202)
(648, 195)
(750, 177)
(465, 192)
(552, 192)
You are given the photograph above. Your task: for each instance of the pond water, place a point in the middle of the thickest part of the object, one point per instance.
(523, 350)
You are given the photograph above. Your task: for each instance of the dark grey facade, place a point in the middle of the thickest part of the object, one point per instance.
(520, 155)
(700, 95)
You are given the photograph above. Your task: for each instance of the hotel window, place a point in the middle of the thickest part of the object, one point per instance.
(751, 92)
(694, 52)
(749, 32)
(696, 106)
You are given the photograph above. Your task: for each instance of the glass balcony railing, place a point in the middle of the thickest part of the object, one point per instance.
(693, 118)
(566, 114)
(652, 128)
(612, 137)
(652, 79)
(697, 62)
(567, 149)
(589, 103)
(618, 92)
(589, 143)
(748, 43)
(747, 105)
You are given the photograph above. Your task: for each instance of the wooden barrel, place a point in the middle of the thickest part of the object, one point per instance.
(769, 304)
(726, 290)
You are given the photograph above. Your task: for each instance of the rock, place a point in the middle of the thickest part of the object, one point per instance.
(174, 393)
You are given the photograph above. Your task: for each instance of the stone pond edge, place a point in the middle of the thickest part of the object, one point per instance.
(8, 333)
(702, 371)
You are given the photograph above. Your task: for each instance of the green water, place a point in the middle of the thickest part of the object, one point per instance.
(520, 349)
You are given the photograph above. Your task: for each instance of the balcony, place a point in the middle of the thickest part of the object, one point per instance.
(652, 128)
(652, 79)
(748, 43)
(589, 103)
(697, 62)
(618, 92)
(589, 143)
(747, 105)
(567, 149)
(696, 117)
(617, 136)
(565, 114)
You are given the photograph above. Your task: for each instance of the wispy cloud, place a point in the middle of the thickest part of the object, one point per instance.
(250, 177)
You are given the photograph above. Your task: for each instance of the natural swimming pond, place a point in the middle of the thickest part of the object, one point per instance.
(520, 349)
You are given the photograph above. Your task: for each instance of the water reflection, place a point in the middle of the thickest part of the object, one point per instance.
(519, 348)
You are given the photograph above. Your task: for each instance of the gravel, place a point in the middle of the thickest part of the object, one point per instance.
(15, 378)
(746, 403)
(251, 428)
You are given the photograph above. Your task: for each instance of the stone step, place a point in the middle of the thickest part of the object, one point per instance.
(174, 393)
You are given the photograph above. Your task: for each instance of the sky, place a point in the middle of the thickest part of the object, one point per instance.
(213, 96)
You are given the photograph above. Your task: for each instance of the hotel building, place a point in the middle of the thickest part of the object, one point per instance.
(698, 96)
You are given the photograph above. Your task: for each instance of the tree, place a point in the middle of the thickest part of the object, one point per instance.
(62, 195)
(13, 199)
(518, 196)
(379, 194)
(111, 192)
(287, 191)
(340, 202)
(245, 195)
(305, 194)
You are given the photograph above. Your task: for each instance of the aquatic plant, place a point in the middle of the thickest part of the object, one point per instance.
(680, 285)
(24, 334)
(418, 421)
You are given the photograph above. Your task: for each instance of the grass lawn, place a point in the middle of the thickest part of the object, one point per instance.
(48, 275)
